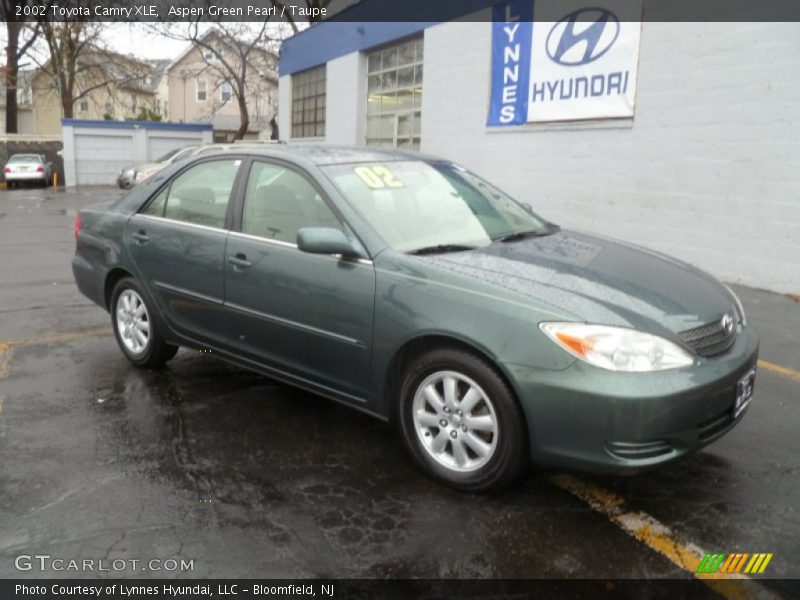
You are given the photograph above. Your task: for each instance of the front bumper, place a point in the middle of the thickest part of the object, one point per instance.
(125, 183)
(603, 421)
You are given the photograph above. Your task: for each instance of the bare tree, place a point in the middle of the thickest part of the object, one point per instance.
(79, 62)
(20, 37)
(240, 55)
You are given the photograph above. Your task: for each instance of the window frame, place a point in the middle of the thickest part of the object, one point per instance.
(222, 86)
(233, 197)
(238, 213)
(197, 89)
(412, 113)
(300, 110)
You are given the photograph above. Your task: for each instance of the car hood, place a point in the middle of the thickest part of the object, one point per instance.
(596, 279)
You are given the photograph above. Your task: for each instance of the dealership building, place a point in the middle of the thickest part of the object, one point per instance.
(681, 137)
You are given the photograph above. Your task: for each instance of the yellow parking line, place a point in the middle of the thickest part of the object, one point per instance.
(5, 360)
(779, 370)
(658, 537)
(7, 347)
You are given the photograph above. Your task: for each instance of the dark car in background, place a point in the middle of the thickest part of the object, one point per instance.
(408, 287)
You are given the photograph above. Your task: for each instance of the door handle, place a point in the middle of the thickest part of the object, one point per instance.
(141, 236)
(240, 260)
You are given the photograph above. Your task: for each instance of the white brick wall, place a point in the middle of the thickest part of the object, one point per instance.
(708, 170)
(345, 117)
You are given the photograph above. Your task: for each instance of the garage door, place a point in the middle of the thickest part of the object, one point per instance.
(160, 145)
(100, 158)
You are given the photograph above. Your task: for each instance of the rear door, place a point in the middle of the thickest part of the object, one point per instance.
(304, 314)
(177, 243)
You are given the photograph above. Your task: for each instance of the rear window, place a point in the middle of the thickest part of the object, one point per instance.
(25, 158)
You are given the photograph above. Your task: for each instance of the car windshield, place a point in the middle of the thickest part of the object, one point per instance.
(25, 158)
(415, 205)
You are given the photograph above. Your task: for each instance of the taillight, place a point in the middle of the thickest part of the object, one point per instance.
(7, 170)
(77, 226)
(40, 169)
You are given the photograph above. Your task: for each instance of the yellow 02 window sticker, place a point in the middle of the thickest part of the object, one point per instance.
(378, 177)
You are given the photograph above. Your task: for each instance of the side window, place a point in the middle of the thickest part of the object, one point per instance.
(279, 201)
(200, 195)
(156, 206)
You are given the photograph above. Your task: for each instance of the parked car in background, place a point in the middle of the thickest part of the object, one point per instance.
(28, 168)
(130, 176)
(412, 289)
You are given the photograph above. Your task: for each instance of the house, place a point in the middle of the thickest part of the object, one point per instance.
(201, 92)
(26, 122)
(109, 86)
(159, 84)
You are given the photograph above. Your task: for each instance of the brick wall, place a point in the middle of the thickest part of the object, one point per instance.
(708, 170)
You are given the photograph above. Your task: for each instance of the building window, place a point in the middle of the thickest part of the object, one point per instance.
(225, 92)
(202, 90)
(394, 96)
(308, 103)
(83, 105)
(212, 56)
(26, 97)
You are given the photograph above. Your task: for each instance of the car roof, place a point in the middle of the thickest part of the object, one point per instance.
(326, 154)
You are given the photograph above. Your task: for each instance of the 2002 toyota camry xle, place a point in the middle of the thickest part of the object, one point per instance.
(410, 288)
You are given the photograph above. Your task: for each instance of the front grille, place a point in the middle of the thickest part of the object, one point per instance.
(715, 426)
(639, 450)
(710, 339)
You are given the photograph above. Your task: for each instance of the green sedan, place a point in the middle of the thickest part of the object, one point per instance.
(408, 287)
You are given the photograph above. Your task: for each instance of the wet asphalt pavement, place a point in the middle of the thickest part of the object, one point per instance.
(250, 478)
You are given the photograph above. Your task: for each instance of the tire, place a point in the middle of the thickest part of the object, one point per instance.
(485, 443)
(131, 318)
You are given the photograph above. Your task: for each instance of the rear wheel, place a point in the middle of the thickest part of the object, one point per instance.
(137, 335)
(461, 422)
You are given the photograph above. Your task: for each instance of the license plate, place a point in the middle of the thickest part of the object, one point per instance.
(744, 392)
(22, 169)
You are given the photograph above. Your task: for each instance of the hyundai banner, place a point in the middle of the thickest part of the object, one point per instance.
(556, 60)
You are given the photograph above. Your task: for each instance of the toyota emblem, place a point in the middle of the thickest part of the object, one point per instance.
(727, 323)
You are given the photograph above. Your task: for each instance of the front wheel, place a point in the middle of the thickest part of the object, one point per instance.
(137, 335)
(461, 422)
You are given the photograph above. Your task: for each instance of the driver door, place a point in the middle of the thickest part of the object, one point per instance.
(303, 314)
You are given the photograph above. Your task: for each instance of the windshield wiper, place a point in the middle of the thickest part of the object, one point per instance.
(521, 235)
(440, 248)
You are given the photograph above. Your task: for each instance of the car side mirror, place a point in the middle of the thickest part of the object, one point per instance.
(325, 240)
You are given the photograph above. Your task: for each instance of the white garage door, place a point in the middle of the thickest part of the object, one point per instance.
(159, 145)
(100, 158)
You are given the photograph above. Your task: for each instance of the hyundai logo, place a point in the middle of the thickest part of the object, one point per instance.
(727, 324)
(582, 36)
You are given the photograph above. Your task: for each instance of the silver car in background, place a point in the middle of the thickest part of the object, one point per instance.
(24, 168)
(130, 176)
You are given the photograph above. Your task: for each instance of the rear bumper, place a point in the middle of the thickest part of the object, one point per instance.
(602, 421)
(89, 279)
(25, 176)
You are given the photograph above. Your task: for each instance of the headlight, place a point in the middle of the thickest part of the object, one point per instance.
(739, 306)
(616, 348)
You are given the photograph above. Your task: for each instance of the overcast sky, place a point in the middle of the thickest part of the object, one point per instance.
(141, 42)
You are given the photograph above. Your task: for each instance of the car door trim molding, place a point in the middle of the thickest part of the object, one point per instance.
(336, 257)
(184, 292)
(184, 223)
(289, 323)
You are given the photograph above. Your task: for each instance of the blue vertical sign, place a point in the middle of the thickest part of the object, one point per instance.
(512, 27)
